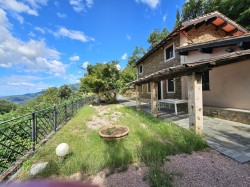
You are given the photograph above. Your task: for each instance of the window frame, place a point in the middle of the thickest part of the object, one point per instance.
(140, 69)
(165, 56)
(174, 86)
(149, 86)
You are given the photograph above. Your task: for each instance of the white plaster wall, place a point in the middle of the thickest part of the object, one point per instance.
(193, 56)
(229, 86)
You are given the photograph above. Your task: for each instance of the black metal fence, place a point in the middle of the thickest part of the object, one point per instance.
(22, 134)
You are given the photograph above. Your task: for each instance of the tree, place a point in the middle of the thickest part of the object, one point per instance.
(6, 106)
(102, 79)
(177, 20)
(136, 55)
(64, 92)
(51, 95)
(193, 8)
(236, 10)
(156, 36)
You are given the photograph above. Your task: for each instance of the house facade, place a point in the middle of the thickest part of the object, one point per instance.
(162, 56)
(208, 37)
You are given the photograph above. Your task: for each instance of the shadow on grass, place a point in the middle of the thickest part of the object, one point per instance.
(118, 157)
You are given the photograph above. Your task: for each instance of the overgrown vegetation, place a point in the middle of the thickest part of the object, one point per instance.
(51, 96)
(6, 106)
(149, 141)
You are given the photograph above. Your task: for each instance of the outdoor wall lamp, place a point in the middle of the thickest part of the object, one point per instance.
(229, 50)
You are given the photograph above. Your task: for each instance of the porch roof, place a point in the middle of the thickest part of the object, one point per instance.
(198, 67)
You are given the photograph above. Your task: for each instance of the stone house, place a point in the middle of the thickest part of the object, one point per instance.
(209, 46)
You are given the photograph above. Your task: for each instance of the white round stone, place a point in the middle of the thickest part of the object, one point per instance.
(62, 149)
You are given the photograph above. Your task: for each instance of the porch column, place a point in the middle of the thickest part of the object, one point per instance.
(195, 107)
(154, 98)
(138, 102)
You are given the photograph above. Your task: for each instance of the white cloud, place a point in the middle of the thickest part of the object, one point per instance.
(81, 5)
(7, 65)
(74, 58)
(61, 15)
(128, 37)
(17, 6)
(118, 66)
(25, 6)
(30, 56)
(31, 34)
(73, 78)
(77, 5)
(22, 84)
(57, 3)
(124, 56)
(39, 29)
(85, 65)
(164, 18)
(73, 34)
(89, 3)
(152, 3)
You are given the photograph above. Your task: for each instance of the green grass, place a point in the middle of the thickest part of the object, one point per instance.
(90, 154)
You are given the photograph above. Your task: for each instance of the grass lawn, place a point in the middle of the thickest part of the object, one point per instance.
(149, 141)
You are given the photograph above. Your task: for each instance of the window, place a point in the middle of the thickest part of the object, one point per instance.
(169, 52)
(170, 86)
(149, 88)
(140, 69)
(205, 81)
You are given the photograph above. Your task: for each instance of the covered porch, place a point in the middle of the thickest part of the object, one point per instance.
(194, 73)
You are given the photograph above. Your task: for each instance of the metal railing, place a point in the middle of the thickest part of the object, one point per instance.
(22, 134)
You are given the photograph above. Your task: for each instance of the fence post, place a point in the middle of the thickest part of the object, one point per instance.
(65, 111)
(72, 107)
(76, 103)
(55, 118)
(33, 130)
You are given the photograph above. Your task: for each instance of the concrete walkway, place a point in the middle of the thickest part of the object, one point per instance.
(229, 138)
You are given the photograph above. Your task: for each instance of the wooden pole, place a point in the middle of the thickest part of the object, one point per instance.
(195, 106)
(154, 98)
(138, 102)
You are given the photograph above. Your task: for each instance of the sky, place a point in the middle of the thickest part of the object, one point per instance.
(45, 43)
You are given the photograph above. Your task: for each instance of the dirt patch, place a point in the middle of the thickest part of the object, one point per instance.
(105, 116)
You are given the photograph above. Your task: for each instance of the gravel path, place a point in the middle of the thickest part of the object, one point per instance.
(208, 168)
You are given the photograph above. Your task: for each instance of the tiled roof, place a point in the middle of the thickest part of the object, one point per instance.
(211, 15)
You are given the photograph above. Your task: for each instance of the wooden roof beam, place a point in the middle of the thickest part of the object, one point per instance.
(184, 53)
(188, 28)
(210, 20)
(221, 26)
(206, 50)
(198, 25)
(233, 31)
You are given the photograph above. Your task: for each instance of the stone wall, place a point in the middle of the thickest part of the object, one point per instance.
(156, 62)
(205, 33)
(241, 116)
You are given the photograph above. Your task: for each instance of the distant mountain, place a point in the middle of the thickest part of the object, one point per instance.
(28, 96)
(21, 98)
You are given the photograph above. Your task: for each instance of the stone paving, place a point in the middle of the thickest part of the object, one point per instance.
(227, 137)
